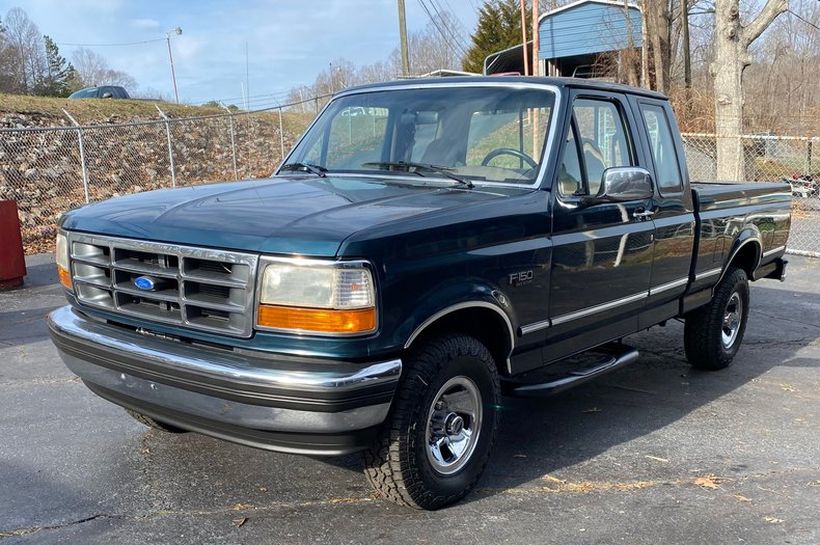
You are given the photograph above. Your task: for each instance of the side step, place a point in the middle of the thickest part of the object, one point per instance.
(571, 371)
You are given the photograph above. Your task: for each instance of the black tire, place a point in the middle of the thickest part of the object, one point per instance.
(398, 464)
(154, 424)
(704, 335)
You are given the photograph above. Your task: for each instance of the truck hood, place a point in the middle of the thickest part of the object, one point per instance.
(284, 214)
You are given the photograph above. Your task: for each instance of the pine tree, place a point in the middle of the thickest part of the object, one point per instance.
(499, 27)
(59, 75)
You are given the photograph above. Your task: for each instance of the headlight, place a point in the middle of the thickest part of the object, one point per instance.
(312, 296)
(61, 258)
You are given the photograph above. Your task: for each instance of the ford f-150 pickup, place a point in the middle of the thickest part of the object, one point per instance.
(427, 247)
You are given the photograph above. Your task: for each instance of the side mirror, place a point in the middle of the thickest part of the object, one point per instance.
(107, 94)
(619, 184)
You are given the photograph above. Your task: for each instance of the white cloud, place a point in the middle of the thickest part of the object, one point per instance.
(145, 23)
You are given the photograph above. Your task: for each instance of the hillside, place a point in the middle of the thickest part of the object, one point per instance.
(42, 170)
(16, 110)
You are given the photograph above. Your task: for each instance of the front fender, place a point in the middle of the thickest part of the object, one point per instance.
(450, 297)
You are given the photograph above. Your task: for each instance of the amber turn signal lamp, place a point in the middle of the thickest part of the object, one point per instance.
(317, 320)
(65, 277)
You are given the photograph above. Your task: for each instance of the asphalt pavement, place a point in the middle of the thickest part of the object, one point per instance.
(656, 453)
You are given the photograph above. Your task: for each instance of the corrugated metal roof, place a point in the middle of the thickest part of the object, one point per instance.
(586, 27)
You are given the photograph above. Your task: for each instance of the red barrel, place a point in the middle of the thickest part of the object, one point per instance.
(12, 257)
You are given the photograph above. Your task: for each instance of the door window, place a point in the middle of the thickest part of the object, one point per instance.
(597, 140)
(662, 145)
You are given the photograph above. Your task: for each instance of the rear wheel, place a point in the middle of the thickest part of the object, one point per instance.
(713, 333)
(154, 424)
(442, 425)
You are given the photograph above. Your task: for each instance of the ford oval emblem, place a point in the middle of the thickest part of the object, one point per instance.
(145, 283)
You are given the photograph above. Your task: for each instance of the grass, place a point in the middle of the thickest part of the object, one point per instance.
(97, 110)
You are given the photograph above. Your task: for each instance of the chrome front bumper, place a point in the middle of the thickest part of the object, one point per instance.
(254, 398)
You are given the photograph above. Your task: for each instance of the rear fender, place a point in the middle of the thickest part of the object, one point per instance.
(749, 239)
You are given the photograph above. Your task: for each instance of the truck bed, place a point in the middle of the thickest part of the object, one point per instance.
(722, 195)
(728, 215)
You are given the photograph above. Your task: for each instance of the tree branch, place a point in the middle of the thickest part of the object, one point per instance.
(769, 13)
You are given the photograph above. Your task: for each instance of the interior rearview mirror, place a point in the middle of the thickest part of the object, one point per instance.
(619, 184)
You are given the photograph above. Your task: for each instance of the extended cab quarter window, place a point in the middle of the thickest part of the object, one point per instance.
(662, 145)
(596, 141)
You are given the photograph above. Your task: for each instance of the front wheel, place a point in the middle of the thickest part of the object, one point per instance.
(713, 333)
(442, 425)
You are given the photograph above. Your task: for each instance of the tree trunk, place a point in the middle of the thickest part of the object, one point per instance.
(660, 44)
(732, 41)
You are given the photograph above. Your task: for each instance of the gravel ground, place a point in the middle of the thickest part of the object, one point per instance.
(654, 453)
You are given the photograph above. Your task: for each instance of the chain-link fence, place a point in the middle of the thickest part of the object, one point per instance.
(770, 158)
(51, 170)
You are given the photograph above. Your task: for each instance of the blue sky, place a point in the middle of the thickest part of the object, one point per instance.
(289, 41)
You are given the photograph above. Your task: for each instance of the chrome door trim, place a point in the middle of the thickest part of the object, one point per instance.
(535, 326)
(668, 286)
(584, 312)
(707, 274)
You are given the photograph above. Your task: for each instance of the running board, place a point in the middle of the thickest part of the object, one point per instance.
(604, 359)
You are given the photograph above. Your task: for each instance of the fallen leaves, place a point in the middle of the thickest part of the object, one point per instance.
(585, 487)
(773, 520)
(742, 499)
(708, 482)
(242, 506)
(239, 522)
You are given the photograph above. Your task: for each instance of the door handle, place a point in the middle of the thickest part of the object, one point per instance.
(643, 214)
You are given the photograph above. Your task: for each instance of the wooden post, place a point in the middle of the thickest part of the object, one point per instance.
(524, 37)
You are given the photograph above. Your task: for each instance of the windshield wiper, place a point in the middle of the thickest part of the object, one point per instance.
(407, 165)
(313, 169)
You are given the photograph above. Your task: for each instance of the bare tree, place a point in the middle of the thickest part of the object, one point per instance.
(658, 21)
(732, 42)
(94, 70)
(25, 38)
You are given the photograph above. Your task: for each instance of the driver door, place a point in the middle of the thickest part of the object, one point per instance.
(602, 253)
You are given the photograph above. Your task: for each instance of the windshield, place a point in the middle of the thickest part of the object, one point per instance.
(90, 92)
(485, 134)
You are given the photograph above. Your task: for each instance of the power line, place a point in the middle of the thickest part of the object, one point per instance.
(453, 48)
(803, 19)
(112, 45)
(449, 23)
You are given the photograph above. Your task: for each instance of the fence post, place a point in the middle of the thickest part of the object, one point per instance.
(170, 148)
(281, 137)
(233, 142)
(808, 156)
(82, 153)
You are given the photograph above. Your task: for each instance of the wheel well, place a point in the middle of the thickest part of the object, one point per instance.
(747, 258)
(484, 324)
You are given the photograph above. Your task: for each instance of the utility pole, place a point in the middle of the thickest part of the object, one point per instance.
(536, 62)
(405, 54)
(176, 31)
(524, 37)
(536, 71)
(247, 77)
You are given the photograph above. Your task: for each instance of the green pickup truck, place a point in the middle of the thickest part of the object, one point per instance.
(427, 247)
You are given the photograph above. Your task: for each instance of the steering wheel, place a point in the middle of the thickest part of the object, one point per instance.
(509, 151)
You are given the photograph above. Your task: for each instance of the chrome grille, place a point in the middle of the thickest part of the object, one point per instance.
(197, 288)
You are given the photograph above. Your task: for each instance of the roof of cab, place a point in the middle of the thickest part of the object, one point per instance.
(576, 83)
